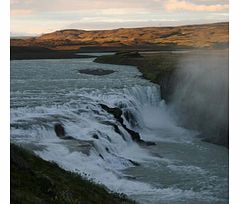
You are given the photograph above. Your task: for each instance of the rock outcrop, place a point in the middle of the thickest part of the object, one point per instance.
(61, 133)
(117, 113)
(97, 72)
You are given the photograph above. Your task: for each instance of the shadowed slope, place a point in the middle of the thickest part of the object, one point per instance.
(36, 181)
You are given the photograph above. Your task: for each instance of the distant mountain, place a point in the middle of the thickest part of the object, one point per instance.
(22, 35)
(190, 36)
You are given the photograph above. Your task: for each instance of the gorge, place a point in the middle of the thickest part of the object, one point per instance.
(164, 162)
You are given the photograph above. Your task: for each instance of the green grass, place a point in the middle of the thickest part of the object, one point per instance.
(36, 181)
(153, 66)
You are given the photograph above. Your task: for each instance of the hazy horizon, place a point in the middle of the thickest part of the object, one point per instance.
(32, 17)
(19, 35)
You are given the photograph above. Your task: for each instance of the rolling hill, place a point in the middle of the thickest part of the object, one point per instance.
(150, 38)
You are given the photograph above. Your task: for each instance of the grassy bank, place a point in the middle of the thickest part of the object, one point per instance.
(156, 67)
(153, 66)
(36, 181)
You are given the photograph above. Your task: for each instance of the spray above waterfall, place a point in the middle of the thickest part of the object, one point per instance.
(201, 95)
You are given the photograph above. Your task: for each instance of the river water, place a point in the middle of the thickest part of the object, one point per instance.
(178, 169)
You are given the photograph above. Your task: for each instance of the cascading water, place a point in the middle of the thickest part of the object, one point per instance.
(49, 92)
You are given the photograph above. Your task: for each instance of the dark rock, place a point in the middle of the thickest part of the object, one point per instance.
(59, 130)
(84, 145)
(116, 128)
(97, 72)
(107, 149)
(114, 111)
(130, 118)
(95, 136)
(100, 155)
(61, 133)
(134, 135)
(134, 162)
(117, 113)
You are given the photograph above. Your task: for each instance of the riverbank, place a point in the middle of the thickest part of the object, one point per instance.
(157, 67)
(34, 180)
(30, 53)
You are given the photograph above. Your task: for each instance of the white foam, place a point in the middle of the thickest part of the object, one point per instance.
(187, 169)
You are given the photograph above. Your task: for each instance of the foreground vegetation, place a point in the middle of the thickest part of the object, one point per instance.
(35, 181)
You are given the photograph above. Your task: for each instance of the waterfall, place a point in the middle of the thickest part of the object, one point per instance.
(84, 119)
(104, 146)
(93, 142)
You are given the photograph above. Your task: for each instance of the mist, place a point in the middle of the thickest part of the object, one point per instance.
(201, 95)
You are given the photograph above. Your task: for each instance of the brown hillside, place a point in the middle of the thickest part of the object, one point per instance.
(192, 36)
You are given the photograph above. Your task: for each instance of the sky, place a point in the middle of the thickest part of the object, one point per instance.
(35, 17)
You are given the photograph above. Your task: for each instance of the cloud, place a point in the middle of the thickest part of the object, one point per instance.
(43, 15)
(20, 7)
(120, 11)
(79, 5)
(173, 5)
(108, 24)
(21, 12)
